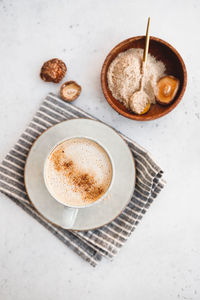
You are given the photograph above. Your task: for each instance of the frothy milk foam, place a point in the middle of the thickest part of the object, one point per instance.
(78, 172)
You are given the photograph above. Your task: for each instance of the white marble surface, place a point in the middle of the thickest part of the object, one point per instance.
(161, 259)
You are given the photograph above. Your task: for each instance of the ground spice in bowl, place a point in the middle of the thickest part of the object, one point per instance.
(125, 71)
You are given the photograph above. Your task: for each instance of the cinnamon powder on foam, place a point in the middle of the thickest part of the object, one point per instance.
(124, 75)
(83, 182)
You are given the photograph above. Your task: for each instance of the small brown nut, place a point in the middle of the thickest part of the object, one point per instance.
(70, 90)
(53, 70)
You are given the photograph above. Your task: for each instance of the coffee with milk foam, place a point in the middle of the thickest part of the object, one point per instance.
(78, 172)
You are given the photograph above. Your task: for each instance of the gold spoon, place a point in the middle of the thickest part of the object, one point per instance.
(138, 98)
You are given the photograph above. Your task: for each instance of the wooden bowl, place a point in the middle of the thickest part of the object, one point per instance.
(162, 51)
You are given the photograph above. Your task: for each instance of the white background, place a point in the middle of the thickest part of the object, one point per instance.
(161, 260)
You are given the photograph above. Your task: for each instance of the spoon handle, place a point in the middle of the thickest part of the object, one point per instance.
(146, 49)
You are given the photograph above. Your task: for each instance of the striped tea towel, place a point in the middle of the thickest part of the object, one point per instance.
(91, 245)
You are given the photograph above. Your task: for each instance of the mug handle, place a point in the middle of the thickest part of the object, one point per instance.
(69, 216)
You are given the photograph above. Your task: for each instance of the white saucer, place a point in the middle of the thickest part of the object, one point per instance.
(101, 212)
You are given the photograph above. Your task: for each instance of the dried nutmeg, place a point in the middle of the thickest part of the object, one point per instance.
(53, 70)
(70, 90)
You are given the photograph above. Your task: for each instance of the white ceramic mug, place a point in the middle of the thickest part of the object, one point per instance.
(70, 212)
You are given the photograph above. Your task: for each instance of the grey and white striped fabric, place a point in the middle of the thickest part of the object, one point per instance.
(94, 244)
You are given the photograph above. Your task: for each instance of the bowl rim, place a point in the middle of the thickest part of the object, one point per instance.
(131, 115)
